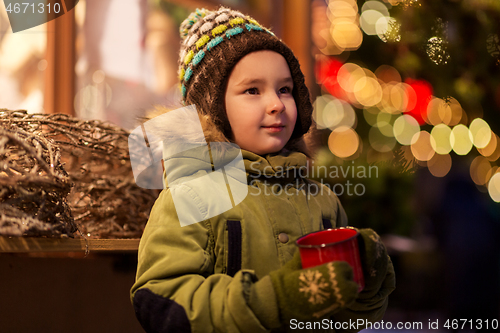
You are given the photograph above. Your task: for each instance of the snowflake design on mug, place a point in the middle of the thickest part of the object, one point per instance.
(313, 286)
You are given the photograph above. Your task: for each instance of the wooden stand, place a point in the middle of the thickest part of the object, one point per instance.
(34, 244)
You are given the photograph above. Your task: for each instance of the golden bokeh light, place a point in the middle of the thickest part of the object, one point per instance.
(93, 99)
(374, 18)
(330, 112)
(346, 35)
(347, 9)
(480, 170)
(481, 133)
(439, 165)
(344, 28)
(461, 140)
(448, 112)
(411, 96)
(368, 21)
(399, 97)
(435, 111)
(319, 107)
(405, 128)
(389, 31)
(440, 139)
(421, 146)
(348, 75)
(348, 115)
(367, 91)
(383, 25)
(437, 50)
(492, 149)
(494, 187)
(457, 112)
(387, 74)
(375, 5)
(99, 76)
(343, 142)
(379, 141)
(395, 97)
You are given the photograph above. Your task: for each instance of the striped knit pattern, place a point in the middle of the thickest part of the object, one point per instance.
(204, 32)
(213, 42)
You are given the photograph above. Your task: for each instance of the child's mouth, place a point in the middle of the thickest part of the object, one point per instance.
(274, 128)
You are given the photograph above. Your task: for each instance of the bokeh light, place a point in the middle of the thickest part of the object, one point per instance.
(439, 165)
(421, 146)
(390, 32)
(319, 106)
(375, 5)
(440, 139)
(461, 140)
(480, 170)
(492, 149)
(345, 32)
(396, 97)
(330, 112)
(447, 112)
(343, 142)
(98, 76)
(420, 100)
(92, 99)
(375, 18)
(387, 74)
(494, 187)
(405, 128)
(379, 141)
(396, 107)
(384, 124)
(327, 72)
(348, 75)
(481, 133)
(437, 50)
(368, 91)
(368, 21)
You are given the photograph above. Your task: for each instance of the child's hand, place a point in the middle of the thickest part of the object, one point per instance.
(313, 293)
(377, 266)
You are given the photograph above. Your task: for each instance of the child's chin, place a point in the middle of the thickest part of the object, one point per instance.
(272, 148)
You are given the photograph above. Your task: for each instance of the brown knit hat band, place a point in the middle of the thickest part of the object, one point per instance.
(214, 43)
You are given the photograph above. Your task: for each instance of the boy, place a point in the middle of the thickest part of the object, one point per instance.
(239, 271)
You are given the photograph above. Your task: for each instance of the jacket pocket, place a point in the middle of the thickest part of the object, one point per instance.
(234, 247)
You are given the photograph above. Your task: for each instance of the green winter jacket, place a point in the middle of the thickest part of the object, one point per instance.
(198, 278)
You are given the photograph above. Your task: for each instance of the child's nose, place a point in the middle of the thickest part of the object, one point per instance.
(274, 104)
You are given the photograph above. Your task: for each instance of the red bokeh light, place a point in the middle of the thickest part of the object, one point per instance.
(419, 100)
(326, 74)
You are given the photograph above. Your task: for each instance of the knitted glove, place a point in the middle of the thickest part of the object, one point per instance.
(378, 269)
(312, 293)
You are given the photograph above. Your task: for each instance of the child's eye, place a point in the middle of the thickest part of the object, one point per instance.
(252, 91)
(285, 90)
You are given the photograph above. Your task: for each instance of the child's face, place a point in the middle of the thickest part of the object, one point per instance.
(259, 102)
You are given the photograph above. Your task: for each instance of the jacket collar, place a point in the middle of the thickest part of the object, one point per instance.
(283, 164)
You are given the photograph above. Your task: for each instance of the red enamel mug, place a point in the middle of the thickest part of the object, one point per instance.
(339, 244)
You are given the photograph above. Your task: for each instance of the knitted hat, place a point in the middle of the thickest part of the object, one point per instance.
(214, 41)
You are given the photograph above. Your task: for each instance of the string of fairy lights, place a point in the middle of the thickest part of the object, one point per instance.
(399, 112)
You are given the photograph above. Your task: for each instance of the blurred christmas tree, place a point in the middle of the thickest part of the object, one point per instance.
(406, 82)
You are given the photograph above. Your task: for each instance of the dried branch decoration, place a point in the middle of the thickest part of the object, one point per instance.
(33, 187)
(105, 201)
